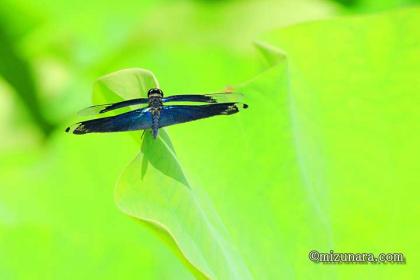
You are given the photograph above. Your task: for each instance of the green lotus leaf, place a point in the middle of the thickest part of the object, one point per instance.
(323, 159)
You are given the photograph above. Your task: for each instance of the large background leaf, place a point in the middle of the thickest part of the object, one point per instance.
(320, 160)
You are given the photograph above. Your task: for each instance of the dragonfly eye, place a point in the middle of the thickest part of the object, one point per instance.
(155, 91)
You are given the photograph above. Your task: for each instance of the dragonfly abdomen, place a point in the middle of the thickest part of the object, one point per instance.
(155, 121)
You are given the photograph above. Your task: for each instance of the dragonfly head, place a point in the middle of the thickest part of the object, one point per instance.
(155, 92)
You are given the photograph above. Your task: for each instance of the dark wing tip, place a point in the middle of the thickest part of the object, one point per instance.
(95, 109)
(233, 108)
(77, 128)
(230, 108)
(80, 129)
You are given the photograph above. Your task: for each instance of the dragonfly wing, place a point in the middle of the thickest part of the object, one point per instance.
(133, 120)
(184, 113)
(189, 98)
(206, 98)
(99, 109)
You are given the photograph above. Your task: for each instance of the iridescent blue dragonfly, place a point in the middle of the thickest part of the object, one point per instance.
(157, 114)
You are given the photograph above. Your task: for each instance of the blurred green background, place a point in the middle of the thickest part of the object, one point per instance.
(58, 219)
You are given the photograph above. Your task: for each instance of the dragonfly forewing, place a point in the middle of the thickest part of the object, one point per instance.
(103, 108)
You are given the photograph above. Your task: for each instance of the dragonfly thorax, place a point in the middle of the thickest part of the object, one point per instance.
(155, 99)
(155, 92)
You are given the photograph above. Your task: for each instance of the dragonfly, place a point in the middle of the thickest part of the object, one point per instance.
(157, 113)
